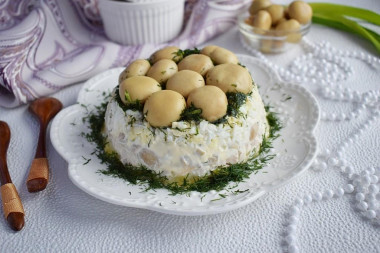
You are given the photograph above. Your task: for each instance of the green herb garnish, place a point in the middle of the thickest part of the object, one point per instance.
(131, 105)
(235, 101)
(217, 180)
(347, 18)
(183, 53)
(191, 113)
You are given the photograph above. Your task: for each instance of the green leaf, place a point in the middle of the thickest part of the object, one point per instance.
(336, 9)
(347, 25)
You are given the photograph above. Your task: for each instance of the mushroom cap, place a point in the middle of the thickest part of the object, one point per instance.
(185, 81)
(230, 78)
(164, 107)
(138, 88)
(211, 99)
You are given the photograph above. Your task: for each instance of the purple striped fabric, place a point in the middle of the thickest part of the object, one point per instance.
(49, 44)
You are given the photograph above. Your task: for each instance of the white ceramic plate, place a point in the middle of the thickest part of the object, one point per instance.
(294, 149)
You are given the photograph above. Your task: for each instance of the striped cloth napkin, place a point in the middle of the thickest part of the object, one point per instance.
(49, 44)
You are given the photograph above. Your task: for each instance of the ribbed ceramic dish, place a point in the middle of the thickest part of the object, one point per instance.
(294, 149)
(141, 22)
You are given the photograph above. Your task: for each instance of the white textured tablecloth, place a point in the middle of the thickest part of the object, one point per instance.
(65, 219)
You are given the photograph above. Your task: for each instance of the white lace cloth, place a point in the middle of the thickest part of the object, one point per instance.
(333, 207)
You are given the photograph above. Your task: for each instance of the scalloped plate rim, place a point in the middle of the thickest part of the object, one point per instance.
(251, 196)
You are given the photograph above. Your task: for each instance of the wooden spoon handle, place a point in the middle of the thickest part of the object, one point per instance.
(12, 206)
(5, 136)
(38, 177)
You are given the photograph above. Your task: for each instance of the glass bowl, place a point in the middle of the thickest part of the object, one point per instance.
(270, 41)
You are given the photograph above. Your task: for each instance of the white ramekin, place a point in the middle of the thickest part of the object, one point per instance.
(153, 21)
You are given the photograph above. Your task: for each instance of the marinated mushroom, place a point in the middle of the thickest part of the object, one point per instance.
(185, 81)
(163, 70)
(258, 5)
(221, 55)
(137, 68)
(207, 50)
(262, 20)
(169, 53)
(230, 78)
(137, 88)
(290, 28)
(300, 11)
(276, 12)
(163, 108)
(196, 62)
(211, 99)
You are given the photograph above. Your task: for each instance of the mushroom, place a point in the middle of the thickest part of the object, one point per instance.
(163, 108)
(300, 11)
(230, 78)
(221, 55)
(137, 88)
(185, 81)
(196, 62)
(169, 53)
(137, 68)
(211, 100)
(163, 70)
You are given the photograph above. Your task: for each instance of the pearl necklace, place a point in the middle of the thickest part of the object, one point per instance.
(322, 66)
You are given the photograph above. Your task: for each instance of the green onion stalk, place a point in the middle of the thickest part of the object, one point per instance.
(347, 18)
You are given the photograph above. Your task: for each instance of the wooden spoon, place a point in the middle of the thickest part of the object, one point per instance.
(12, 206)
(45, 109)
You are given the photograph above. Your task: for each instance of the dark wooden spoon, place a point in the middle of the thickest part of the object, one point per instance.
(45, 109)
(12, 206)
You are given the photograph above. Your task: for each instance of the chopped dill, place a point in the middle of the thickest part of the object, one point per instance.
(235, 101)
(183, 53)
(191, 113)
(217, 180)
(131, 105)
(87, 160)
(238, 191)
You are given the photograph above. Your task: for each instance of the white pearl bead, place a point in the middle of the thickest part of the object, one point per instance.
(332, 161)
(317, 196)
(294, 210)
(293, 219)
(373, 205)
(349, 188)
(290, 238)
(361, 188)
(328, 194)
(323, 166)
(359, 196)
(327, 152)
(364, 173)
(339, 192)
(366, 180)
(348, 170)
(298, 202)
(362, 205)
(374, 189)
(374, 179)
(357, 182)
(307, 199)
(291, 228)
(370, 214)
